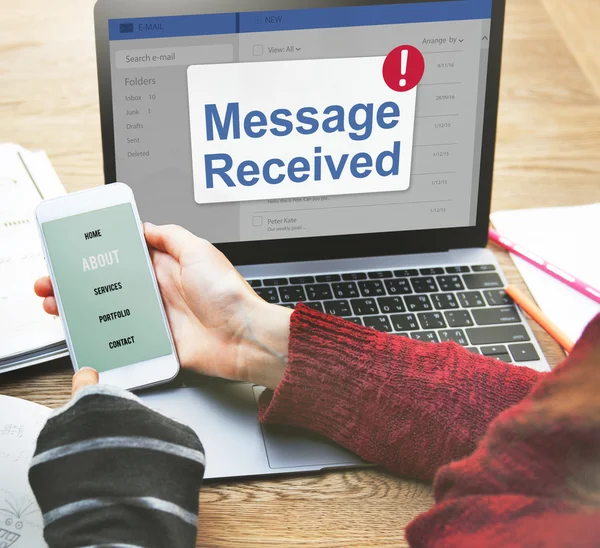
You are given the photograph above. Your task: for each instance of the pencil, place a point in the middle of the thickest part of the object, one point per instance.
(532, 309)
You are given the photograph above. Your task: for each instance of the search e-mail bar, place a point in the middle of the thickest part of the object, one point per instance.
(170, 57)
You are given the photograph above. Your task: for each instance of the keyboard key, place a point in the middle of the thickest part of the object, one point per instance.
(292, 294)
(316, 306)
(405, 273)
(491, 316)
(400, 286)
(389, 305)
(404, 322)
(381, 323)
(355, 277)
(498, 334)
(425, 336)
(268, 294)
(444, 301)
(432, 320)
(482, 281)
(502, 358)
(325, 278)
(380, 275)
(345, 290)
(364, 307)
(302, 280)
(458, 269)
(275, 281)
(357, 321)
(371, 289)
(424, 285)
(459, 318)
(289, 305)
(319, 292)
(484, 268)
(431, 271)
(524, 353)
(497, 297)
(450, 283)
(418, 303)
(338, 308)
(456, 335)
(494, 350)
(471, 299)
(473, 349)
(255, 283)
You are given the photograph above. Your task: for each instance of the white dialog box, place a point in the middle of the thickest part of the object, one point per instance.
(293, 129)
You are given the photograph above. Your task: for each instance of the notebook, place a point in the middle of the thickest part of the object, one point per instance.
(21, 523)
(567, 237)
(27, 335)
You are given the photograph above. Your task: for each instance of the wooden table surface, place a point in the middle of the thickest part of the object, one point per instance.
(548, 155)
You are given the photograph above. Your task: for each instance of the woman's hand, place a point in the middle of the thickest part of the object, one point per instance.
(84, 377)
(220, 326)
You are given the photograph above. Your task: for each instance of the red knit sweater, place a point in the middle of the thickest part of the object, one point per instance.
(529, 442)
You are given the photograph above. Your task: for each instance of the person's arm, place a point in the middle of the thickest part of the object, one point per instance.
(109, 471)
(534, 480)
(410, 406)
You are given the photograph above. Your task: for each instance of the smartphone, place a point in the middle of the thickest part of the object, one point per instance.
(105, 287)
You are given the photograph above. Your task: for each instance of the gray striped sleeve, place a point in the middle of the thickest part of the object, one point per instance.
(109, 471)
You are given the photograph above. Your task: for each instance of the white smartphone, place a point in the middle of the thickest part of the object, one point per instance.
(105, 287)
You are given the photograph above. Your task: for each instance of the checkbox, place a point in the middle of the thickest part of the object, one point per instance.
(257, 221)
(258, 50)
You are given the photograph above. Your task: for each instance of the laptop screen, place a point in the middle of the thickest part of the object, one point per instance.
(303, 123)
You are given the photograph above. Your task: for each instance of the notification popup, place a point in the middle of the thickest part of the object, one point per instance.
(293, 129)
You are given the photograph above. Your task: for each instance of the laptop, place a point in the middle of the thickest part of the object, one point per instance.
(339, 152)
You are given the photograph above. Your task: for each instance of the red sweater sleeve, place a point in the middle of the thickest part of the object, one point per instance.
(532, 480)
(407, 405)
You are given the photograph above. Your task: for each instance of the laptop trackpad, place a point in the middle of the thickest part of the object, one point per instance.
(295, 448)
(224, 417)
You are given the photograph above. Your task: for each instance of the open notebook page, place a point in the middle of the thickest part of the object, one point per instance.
(21, 524)
(24, 178)
(567, 237)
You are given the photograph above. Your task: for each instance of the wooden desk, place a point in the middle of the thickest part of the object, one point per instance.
(548, 155)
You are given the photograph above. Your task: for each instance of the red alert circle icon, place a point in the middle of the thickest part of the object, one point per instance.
(403, 68)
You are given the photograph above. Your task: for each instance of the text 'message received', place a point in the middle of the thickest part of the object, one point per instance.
(293, 129)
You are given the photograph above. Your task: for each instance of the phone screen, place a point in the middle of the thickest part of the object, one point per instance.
(111, 308)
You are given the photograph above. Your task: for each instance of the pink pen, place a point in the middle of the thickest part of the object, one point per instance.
(549, 268)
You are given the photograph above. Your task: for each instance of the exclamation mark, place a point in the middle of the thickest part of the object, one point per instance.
(403, 66)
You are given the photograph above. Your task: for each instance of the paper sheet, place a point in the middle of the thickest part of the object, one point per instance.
(567, 237)
(25, 179)
(21, 524)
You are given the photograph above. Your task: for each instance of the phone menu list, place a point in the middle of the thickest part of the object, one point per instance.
(113, 313)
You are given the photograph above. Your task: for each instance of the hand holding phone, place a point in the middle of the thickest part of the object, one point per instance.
(105, 287)
(220, 326)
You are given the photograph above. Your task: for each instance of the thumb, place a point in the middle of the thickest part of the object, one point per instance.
(84, 377)
(170, 239)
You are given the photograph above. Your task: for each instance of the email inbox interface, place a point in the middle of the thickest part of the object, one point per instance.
(303, 123)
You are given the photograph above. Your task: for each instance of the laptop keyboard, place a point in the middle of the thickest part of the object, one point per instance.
(464, 304)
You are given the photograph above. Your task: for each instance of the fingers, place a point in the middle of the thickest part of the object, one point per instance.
(84, 377)
(171, 239)
(43, 287)
(50, 306)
